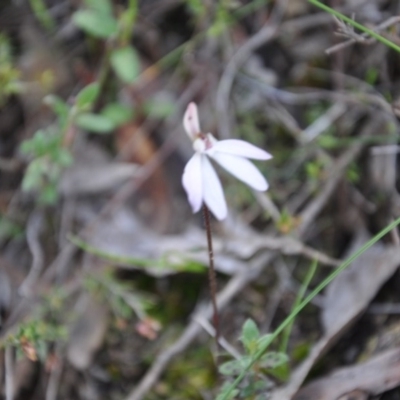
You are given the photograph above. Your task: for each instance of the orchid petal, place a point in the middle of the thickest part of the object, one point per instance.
(191, 121)
(192, 181)
(242, 169)
(240, 148)
(213, 194)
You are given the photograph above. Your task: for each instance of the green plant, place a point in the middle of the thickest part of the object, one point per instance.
(49, 158)
(42, 14)
(48, 151)
(315, 170)
(9, 75)
(287, 222)
(228, 390)
(257, 380)
(171, 260)
(34, 336)
(9, 228)
(97, 20)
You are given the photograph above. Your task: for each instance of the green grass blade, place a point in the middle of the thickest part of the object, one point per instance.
(355, 24)
(306, 301)
(299, 298)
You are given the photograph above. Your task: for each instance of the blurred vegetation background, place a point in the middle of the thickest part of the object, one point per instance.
(103, 268)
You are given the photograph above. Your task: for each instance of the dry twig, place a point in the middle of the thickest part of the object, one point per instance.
(34, 228)
(266, 34)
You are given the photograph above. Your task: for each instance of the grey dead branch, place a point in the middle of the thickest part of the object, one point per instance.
(87, 332)
(379, 374)
(94, 172)
(123, 235)
(94, 179)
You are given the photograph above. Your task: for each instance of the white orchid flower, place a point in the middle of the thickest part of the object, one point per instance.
(199, 177)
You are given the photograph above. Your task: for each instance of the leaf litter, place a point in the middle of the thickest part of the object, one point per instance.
(122, 205)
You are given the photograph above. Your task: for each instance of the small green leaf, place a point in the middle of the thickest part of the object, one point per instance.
(282, 372)
(328, 142)
(48, 194)
(226, 393)
(273, 359)
(87, 96)
(159, 108)
(96, 23)
(125, 62)
(102, 6)
(42, 14)
(33, 175)
(225, 396)
(63, 157)
(250, 334)
(59, 107)
(119, 114)
(264, 341)
(9, 229)
(261, 385)
(94, 123)
(234, 367)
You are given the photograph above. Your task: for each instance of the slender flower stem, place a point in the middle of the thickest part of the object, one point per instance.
(211, 273)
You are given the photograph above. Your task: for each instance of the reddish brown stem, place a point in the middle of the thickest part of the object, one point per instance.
(211, 273)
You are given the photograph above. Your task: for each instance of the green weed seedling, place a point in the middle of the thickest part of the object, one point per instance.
(48, 151)
(257, 381)
(48, 160)
(97, 19)
(34, 337)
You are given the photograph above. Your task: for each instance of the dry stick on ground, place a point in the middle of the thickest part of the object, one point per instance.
(264, 200)
(222, 341)
(363, 38)
(286, 245)
(306, 95)
(294, 26)
(35, 225)
(323, 122)
(316, 205)
(266, 34)
(384, 308)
